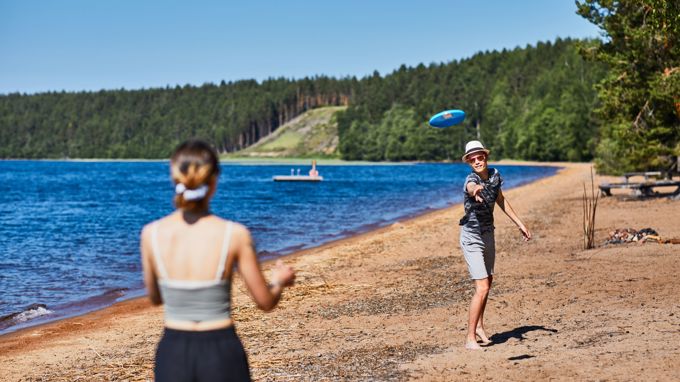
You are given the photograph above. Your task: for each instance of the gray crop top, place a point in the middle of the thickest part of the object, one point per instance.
(195, 300)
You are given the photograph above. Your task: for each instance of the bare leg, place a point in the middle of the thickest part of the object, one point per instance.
(476, 309)
(480, 323)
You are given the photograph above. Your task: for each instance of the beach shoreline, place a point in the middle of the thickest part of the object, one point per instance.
(390, 304)
(53, 313)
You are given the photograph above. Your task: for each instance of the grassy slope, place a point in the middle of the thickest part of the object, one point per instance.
(312, 134)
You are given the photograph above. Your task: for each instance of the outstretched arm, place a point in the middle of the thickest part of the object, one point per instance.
(504, 204)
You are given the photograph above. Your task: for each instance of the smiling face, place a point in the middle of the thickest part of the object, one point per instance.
(477, 161)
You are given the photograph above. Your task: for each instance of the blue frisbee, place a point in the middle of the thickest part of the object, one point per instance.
(447, 118)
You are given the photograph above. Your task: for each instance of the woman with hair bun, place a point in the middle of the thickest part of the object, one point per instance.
(188, 259)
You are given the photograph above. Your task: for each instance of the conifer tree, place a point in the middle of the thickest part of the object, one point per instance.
(640, 95)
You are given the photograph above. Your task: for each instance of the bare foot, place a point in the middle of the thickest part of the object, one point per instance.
(481, 334)
(472, 345)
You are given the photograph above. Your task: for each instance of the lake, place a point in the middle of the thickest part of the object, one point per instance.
(69, 231)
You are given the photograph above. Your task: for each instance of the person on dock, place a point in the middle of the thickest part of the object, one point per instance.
(313, 172)
(188, 258)
(482, 190)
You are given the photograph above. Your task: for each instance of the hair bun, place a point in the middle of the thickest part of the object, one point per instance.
(192, 166)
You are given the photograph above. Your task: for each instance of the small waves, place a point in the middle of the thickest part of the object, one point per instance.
(39, 313)
(29, 313)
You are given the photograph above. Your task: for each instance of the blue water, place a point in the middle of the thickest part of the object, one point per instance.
(69, 231)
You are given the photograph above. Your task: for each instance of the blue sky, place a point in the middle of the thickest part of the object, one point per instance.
(78, 45)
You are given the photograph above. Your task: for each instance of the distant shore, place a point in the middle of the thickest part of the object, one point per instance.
(391, 304)
(245, 160)
(81, 160)
(321, 161)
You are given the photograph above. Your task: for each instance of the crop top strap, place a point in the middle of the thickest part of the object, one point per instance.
(225, 251)
(157, 252)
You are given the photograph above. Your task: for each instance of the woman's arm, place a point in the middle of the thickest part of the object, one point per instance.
(148, 267)
(266, 297)
(504, 204)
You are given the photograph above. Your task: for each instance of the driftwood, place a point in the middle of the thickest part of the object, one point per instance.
(645, 235)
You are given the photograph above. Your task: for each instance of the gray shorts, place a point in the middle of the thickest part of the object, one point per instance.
(479, 251)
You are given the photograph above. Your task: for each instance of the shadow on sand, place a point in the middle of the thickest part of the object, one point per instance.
(517, 333)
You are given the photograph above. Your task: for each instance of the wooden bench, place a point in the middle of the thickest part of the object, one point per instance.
(647, 175)
(643, 189)
(662, 178)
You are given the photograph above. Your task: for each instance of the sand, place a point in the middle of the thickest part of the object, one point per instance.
(392, 304)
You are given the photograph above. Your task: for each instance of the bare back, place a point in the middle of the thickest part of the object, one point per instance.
(192, 252)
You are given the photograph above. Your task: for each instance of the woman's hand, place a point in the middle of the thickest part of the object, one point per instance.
(476, 192)
(282, 275)
(525, 232)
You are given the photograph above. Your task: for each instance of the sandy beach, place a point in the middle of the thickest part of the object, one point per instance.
(392, 304)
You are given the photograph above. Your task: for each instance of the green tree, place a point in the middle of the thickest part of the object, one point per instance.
(640, 95)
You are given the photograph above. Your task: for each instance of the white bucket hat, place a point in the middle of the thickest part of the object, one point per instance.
(473, 147)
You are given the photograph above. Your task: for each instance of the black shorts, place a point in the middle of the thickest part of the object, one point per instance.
(214, 355)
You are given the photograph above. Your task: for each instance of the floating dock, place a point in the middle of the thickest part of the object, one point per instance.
(297, 178)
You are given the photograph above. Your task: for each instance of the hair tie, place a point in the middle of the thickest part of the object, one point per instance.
(192, 194)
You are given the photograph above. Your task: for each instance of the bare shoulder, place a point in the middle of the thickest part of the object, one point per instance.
(241, 232)
(238, 230)
(147, 229)
(145, 237)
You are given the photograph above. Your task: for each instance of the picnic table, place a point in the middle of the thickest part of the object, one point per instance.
(647, 187)
(646, 175)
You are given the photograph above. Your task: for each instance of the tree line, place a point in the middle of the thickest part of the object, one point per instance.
(150, 123)
(534, 103)
(531, 103)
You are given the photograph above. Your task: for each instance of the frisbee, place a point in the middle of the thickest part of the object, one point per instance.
(447, 118)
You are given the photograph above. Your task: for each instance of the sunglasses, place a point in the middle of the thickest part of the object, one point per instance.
(475, 158)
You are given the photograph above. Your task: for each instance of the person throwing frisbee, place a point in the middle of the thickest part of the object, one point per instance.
(482, 191)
